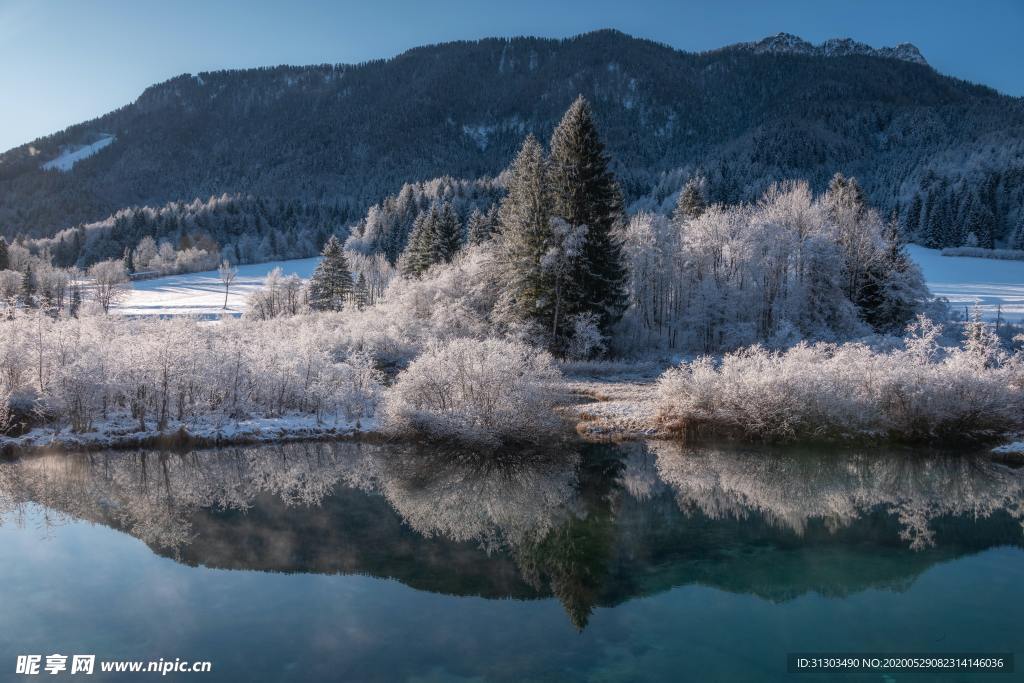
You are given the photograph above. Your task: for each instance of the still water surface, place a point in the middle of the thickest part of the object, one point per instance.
(361, 562)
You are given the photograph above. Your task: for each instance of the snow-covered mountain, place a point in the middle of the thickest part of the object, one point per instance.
(788, 44)
(345, 136)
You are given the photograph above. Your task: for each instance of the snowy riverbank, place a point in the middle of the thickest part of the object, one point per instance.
(123, 432)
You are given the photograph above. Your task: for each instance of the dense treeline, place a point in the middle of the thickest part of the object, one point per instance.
(242, 229)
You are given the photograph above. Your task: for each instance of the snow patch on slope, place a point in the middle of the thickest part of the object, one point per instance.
(73, 154)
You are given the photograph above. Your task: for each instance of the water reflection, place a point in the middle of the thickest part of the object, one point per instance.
(593, 528)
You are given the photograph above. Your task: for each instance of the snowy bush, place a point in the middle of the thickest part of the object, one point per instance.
(483, 392)
(586, 340)
(919, 393)
(447, 302)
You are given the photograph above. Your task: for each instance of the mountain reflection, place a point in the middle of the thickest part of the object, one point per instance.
(593, 527)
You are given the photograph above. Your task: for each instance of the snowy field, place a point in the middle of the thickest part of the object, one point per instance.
(993, 283)
(960, 279)
(202, 294)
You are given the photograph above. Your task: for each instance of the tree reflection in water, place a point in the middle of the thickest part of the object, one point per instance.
(593, 527)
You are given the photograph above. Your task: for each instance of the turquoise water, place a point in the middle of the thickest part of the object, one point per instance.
(353, 562)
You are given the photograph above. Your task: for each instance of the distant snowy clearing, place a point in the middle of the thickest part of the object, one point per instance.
(202, 294)
(964, 280)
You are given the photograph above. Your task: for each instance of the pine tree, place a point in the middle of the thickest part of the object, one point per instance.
(584, 192)
(447, 235)
(480, 226)
(913, 216)
(938, 221)
(692, 201)
(28, 287)
(76, 301)
(5, 257)
(420, 250)
(524, 236)
(331, 282)
(361, 293)
(893, 288)
(1017, 239)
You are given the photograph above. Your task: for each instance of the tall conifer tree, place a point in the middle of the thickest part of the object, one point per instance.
(584, 192)
(524, 223)
(331, 282)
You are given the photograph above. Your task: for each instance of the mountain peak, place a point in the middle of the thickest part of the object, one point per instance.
(787, 43)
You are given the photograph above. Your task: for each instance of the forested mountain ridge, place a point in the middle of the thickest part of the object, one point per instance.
(346, 136)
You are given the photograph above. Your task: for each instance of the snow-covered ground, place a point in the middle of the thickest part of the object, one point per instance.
(995, 284)
(962, 280)
(202, 294)
(70, 157)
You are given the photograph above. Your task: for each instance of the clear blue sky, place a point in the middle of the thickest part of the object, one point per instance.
(65, 61)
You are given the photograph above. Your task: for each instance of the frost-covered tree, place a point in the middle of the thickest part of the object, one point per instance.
(361, 292)
(894, 288)
(561, 263)
(525, 237)
(10, 285)
(227, 274)
(481, 226)
(109, 282)
(280, 296)
(331, 282)
(447, 234)
(791, 267)
(436, 237)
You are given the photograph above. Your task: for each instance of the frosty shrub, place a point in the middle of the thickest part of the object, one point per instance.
(919, 393)
(448, 301)
(484, 392)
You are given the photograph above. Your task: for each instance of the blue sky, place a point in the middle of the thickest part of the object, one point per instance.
(66, 61)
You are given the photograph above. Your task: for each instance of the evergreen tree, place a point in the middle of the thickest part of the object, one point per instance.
(419, 253)
(5, 257)
(692, 201)
(913, 216)
(1017, 239)
(524, 236)
(584, 192)
(76, 301)
(893, 288)
(938, 221)
(331, 282)
(481, 226)
(361, 293)
(28, 287)
(447, 235)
